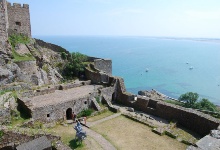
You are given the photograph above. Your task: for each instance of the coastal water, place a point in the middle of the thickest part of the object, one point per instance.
(165, 59)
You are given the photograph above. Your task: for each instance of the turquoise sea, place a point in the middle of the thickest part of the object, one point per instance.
(165, 59)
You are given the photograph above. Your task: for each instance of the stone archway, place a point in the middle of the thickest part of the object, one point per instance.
(69, 112)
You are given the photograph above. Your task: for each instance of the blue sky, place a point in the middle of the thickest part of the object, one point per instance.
(171, 18)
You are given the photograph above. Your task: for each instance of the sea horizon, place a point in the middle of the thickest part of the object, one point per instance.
(168, 60)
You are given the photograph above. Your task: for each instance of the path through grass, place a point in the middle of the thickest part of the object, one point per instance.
(124, 133)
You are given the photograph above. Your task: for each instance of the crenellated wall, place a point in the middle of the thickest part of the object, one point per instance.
(19, 19)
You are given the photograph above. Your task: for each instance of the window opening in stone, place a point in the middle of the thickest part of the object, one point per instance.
(85, 102)
(48, 115)
(18, 23)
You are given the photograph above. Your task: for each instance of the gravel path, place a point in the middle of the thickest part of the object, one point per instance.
(106, 145)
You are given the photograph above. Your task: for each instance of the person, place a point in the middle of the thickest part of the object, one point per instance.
(78, 127)
(74, 116)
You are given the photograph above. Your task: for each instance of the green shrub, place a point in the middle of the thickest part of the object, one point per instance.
(85, 113)
(75, 65)
(63, 55)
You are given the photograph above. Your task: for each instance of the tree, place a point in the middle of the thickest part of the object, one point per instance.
(205, 104)
(189, 98)
(75, 65)
(63, 55)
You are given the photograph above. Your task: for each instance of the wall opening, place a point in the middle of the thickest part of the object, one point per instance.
(18, 23)
(85, 102)
(69, 112)
(113, 97)
(48, 115)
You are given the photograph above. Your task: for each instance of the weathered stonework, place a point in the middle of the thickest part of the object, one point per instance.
(19, 19)
(12, 139)
(60, 104)
(14, 19)
(104, 65)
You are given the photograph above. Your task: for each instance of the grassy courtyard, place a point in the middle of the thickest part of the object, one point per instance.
(126, 134)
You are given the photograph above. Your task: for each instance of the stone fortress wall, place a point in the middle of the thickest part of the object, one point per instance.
(103, 65)
(55, 111)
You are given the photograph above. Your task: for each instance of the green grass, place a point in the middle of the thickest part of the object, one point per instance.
(3, 92)
(67, 135)
(174, 102)
(16, 39)
(19, 58)
(17, 118)
(17, 121)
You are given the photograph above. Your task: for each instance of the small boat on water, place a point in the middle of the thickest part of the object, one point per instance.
(191, 67)
(187, 63)
(146, 70)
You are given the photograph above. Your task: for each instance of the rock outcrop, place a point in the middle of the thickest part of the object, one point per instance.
(43, 66)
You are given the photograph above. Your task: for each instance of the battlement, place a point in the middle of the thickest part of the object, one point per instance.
(18, 5)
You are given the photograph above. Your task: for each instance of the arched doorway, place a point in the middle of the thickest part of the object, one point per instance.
(69, 114)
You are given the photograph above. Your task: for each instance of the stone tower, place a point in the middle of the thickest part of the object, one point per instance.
(14, 19)
(19, 19)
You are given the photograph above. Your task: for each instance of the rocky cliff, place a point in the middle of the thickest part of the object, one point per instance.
(32, 61)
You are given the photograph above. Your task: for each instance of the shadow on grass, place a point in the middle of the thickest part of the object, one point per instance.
(75, 144)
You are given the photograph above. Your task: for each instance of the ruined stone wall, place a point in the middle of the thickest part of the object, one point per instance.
(189, 118)
(104, 65)
(13, 139)
(107, 93)
(96, 77)
(58, 111)
(19, 19)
